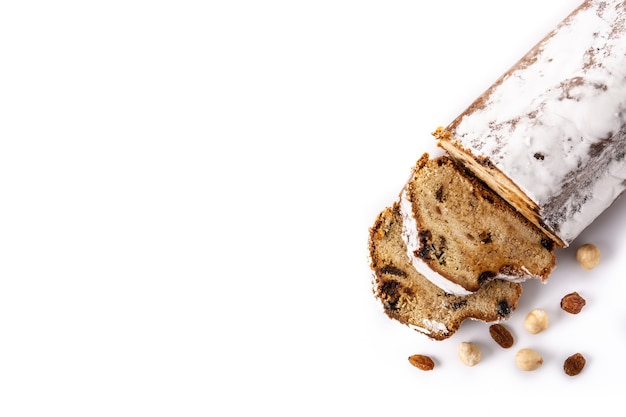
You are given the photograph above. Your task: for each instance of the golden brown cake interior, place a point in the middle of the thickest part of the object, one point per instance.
(468, 234)
(496, 180)
(411, 299)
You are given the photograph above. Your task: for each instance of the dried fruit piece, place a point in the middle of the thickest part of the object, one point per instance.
(573, 303)
(528, 359)
(574, 364)
(536, 321)
(423, 362)
(588, 256)
(469, 353)
(501, 335)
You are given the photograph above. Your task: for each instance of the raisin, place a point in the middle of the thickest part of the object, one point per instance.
(392, 270)
(573, 303)
(485, 276)
(390, 288)
(504, 309)
(426, 247)
(485, 237)
(574, 364)
(547, 243)
(501, 335)
(439, 194)
(458, 304)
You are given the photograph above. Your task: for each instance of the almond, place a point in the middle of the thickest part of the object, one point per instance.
(423, 362)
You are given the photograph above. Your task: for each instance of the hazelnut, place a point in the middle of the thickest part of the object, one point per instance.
(588, 256)
(469, 353)
(536, 321)
(528, 360)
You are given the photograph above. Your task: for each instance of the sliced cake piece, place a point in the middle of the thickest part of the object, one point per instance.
(461, 235)
(408, 297)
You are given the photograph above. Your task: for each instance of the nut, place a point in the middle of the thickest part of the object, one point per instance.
(536, 321)
(574, 364)
(588, 255)
(528, 359)
(573, 303)
(469, 353)
(501, 335)
(423, 362)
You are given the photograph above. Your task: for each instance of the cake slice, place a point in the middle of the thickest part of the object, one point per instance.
(408, 297)
(461, 235)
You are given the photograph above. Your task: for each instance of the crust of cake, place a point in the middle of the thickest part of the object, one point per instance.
(411, 299)
(470, 235)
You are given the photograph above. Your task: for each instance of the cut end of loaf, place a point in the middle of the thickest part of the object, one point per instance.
(496, 180)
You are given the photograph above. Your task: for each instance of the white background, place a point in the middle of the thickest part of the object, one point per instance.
(185, 195)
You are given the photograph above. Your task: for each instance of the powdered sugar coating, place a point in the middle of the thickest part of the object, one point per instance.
(432, 326)
(555, 125)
